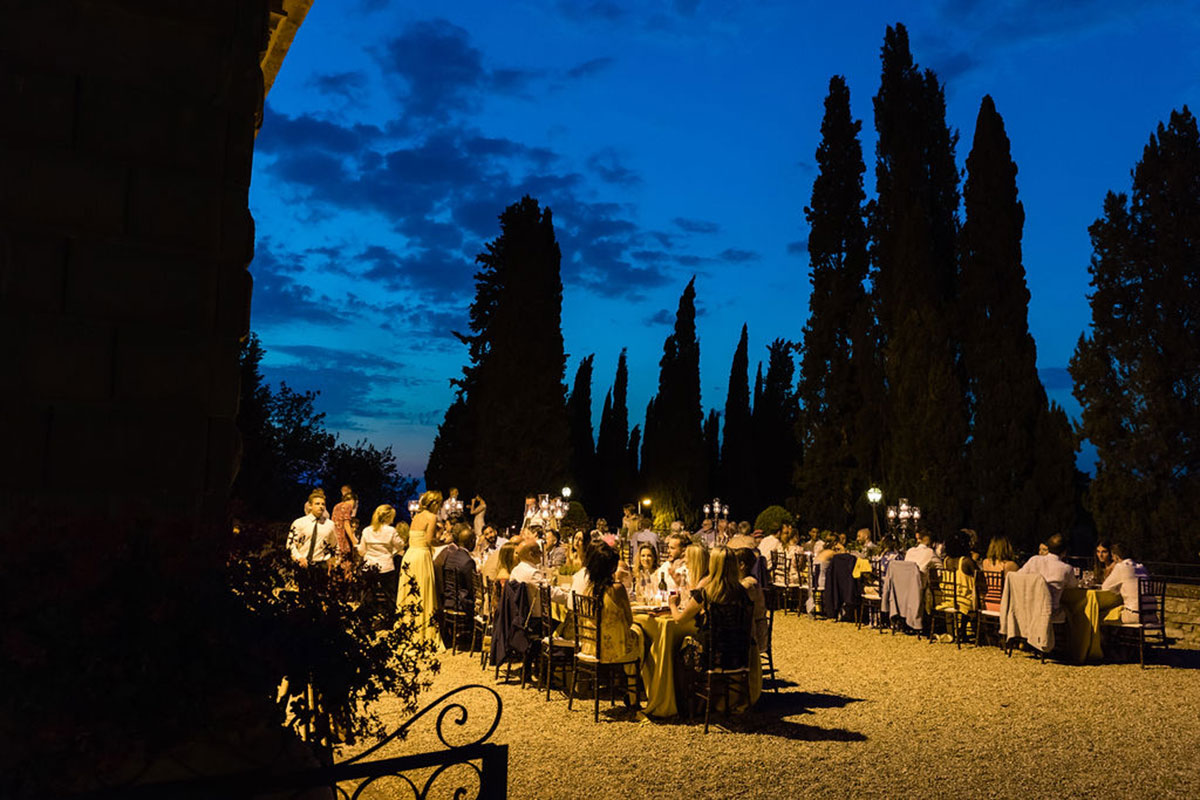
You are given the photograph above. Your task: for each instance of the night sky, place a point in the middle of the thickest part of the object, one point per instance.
(670, 139)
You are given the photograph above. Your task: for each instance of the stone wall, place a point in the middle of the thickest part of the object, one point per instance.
(127, 129)
(1183, 615)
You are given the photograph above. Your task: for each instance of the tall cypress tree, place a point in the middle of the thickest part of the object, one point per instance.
(513, 397)
(774, 423)
(913, 231)
(1010, 414)
(737, 483)
(614, 478)
(1138, 375)
(673, 462)
(583, 448)
(841, 381)
(712, 447)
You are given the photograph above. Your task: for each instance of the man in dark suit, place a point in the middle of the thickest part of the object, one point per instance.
(456, 558)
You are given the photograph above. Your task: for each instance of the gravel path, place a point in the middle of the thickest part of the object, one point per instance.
(863, 713)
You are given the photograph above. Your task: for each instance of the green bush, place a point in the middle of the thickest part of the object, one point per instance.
(772, 518)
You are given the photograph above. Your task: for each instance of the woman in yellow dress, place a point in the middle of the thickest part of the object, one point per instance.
(417, 566)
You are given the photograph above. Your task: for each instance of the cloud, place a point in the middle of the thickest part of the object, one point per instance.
(597, 10)
(278, 298)
(606, 164)
(733, 255)
(798, 248)
(438, 67)
(696, 225)
(347, 85)
(661, 317)
(590, 67)
(306, 133)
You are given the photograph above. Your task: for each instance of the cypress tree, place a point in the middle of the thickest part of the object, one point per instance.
(631, 460)
(913, 251)
(1137, 375)
(613, 475)
(513, 397)
(841, 382)
(774, 427)
(712, 447)
(673, 461)
(737, 483)
(579, 417)
(1012, 424)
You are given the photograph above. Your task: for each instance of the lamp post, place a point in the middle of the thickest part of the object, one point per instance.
(413, 507)
(547, 510)
(904, 517)
(875, 496)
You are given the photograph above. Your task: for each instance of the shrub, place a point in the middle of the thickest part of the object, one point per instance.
(772, 518)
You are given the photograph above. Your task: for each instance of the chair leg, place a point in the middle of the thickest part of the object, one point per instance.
(707, 701)
(1142, 648)
(596, 695)
(574, 681)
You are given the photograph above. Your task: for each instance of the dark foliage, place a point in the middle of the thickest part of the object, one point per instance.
(774, 424)
(370, 472)
(507, 432)
(913, 242)
(583, 448)
(841, 380)
(738, 482)
(615, 474)
(674, 469)
(1020, 458)
(1138, 375)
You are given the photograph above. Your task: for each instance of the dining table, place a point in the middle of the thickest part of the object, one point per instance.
(1087, 608)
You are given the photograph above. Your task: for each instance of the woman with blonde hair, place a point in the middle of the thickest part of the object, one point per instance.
(378, 543)
(417, 592)
(696, 568)
(723, 584)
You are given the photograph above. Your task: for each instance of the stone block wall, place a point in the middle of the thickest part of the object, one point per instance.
(1183, 614)
(126, 138)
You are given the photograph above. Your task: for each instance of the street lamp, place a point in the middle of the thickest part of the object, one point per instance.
(413, 507)
(874, 496)
(716, 509)
(904, 516)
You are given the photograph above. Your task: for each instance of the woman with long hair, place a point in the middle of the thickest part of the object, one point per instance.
(417, 591)
(645, 573)
(696, 566)
(378, 544)
(723, 584)
(618, 639)
(1000, 556)
(1103, 562)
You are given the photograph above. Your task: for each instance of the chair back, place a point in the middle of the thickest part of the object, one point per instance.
(543, 625)
(1152, 598)
(993, 589)
(941, 586)
(481, 604)
(730, 626)
(587, 623)
(779, 568)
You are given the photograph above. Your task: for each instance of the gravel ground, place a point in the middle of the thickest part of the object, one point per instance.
(863, 713)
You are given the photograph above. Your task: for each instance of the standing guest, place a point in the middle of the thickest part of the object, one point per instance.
(646, 576)
(378, 546)
(418, 591)
(602, 527)
(1103, 562)
(556, 554)
(477, 510)
(1058, 573)
(531, 515)
(1124, 579)
(630, 520)
(345, 527)
(312, 539)
(922, 553)
(456, 558)
(772, 542)
(1000, 556)
(450, 507)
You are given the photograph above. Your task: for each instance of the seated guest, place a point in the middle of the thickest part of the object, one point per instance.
(643, 535)
(556, 554)
(772, 542)
(706, 532)
(1123, 579)
(674, 566)
(646, 575)
(863, 546)
(1058, 573)
(506, 560)
(619, 639)
(695, 568)
(487, 543)
(745, 560)
(725, 586)
(922, 553)
(574, 553)
(457, 558)
(973, 544)
(889, 551)
(1000, 556)
(958, 559)
(1103, 563)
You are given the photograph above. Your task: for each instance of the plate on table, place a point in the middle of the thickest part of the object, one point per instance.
(649, 608)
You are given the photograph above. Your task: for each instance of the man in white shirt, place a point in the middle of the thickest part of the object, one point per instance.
(1058, 573)
(923, 554)
(1124, 580)
(672, 566)
(529, 572)
(770, 543)
(312, 539)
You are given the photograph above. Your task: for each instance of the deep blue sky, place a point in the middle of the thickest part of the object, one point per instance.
(671, 138)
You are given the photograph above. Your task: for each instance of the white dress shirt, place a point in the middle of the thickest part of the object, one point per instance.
(768, 545)
(300, 535)
(1057, 573)
(922, 555)
(378, 546)
(1124, 579)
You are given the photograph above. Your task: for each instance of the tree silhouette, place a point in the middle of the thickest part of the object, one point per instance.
(673, 459)
(1138, 375)
(615, 475)
(512, 394)
(841, 383)
(774, 424)
(579, 416)
(737, 484)
(1021, 458)
(913, 231)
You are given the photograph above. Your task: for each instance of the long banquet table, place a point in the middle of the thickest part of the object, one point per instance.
(1086, 610)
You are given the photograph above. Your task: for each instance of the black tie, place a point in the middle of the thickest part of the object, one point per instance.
(312, 542)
